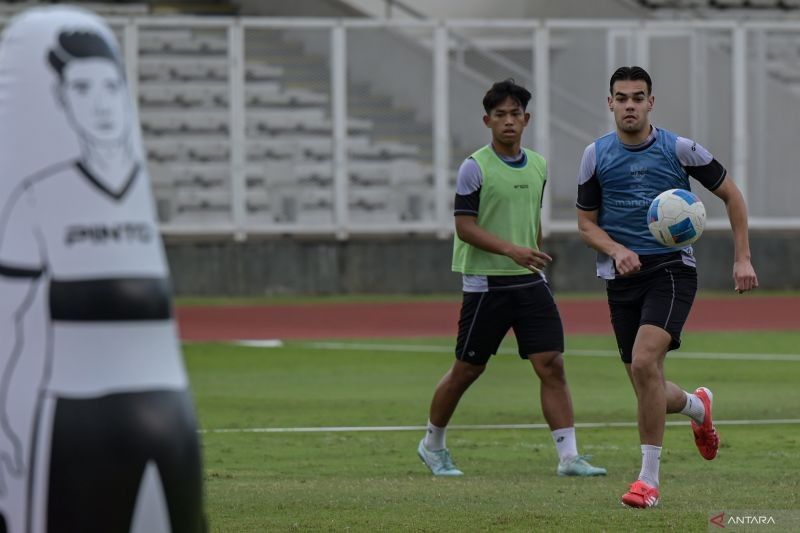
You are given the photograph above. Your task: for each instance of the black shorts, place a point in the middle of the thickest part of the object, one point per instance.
(662, 297)
(100, 448)
(486, 317)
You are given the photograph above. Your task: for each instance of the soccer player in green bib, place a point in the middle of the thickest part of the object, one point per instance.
(497, 249)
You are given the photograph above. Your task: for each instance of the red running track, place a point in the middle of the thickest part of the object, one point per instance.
(421, 319)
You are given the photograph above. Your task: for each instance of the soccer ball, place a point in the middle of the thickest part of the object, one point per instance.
(676, 218)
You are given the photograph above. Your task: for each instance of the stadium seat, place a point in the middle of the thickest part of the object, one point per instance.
(183, 42)
(261, 72)
(184, 95)
(788, 73)
(270, 173)
(164, 197)
(300, 205)
(415, 204)
(168, 122)
(200, 150)
(283, 124)
(314, 174)
(259, 150)
(273, 120)
(308, 146)
(264, 94)
(207, 150)
(199, 217)
(370, 173)
(197, 199)
(179, 68)
(268, 94)
(729, 3)
(201, 175)
(158, 153)
(367, 210)
(383, 150)
(258, 202)
(158, 42)
(192, 205)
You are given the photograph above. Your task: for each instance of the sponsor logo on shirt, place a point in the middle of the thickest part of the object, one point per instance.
(123, 232)
(630, 203)
(638, 171)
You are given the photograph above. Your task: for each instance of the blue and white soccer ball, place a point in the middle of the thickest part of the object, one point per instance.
(676, 218)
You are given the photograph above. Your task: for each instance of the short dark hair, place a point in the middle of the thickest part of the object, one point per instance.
(73, 45)
(632, 74)
(502, 90)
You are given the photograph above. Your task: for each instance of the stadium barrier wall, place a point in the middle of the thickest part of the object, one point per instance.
(421, 265)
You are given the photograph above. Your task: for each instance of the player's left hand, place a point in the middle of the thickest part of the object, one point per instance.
(744, 276)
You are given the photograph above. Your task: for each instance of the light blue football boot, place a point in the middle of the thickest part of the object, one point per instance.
(579, 466)
(439, 462)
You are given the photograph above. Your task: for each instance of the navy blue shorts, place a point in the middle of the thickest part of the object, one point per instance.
(486, 317)
(660, 298)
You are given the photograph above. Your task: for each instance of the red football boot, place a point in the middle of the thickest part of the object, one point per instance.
(705, 434)
(641, 496)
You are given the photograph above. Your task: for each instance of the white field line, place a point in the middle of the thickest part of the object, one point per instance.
(260, 343)
(584, 425)
(377, 347)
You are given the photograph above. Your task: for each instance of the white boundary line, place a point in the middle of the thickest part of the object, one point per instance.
(260, 343)
(585, 425)
(377, 347)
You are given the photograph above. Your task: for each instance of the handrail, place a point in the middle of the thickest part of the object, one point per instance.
(414, 13)
(484, 60)
(498, 59)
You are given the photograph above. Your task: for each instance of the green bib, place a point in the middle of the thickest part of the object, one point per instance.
(510, 205)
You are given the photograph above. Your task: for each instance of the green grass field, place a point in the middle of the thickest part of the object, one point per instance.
(372, 480)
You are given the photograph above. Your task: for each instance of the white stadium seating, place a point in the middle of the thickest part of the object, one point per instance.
(184, 102)
(184, 110)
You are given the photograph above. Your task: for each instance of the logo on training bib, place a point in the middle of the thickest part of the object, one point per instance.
(638, 171)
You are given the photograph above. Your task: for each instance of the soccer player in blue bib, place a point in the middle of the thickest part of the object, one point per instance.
(651, 288)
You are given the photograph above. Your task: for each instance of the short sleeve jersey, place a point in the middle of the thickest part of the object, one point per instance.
(95, 233)
(621, 181)
(100, 254)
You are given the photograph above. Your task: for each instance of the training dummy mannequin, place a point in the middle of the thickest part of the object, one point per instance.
(97, 427)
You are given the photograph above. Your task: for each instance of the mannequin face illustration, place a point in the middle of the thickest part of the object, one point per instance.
(95, 96)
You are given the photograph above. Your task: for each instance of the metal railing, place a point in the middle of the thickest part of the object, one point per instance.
(411, 180)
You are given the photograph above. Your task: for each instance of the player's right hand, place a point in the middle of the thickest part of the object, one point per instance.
(626, 261)
(744, 276)
(531, 259)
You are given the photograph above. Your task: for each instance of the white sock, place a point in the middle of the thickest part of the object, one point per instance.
(651, 460)
(434, 438)
(694, 408)
(566, 446)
